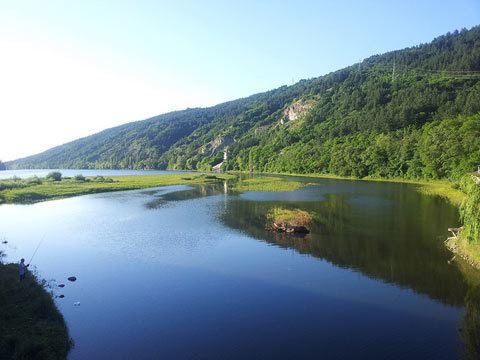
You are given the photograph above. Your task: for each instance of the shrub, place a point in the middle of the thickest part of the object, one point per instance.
(79, 177)
(102, 179)
(34, 180)
(470, 210)
(55, 176)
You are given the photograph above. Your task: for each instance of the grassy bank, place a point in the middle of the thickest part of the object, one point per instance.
(39, 189)
(267, 183)
(31, 327)
(468, 251)
(443, 188)
(467, 244)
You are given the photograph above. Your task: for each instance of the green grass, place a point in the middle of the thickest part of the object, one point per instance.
(31, 327)
(442, 188)
(469, 251)
(267, 183)
(289, 217)
(26, 191)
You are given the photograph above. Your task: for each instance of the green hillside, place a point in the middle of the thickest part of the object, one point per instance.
(408, 113)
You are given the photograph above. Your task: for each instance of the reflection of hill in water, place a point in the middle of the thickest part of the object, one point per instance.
(385, 231)
(195, 191)
(392, 236)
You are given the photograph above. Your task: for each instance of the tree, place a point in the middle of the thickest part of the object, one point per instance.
(55, 176)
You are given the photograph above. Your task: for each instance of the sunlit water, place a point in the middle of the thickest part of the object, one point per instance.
(6, 174)
(190, 273)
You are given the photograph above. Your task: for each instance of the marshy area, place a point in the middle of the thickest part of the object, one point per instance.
(54, 185)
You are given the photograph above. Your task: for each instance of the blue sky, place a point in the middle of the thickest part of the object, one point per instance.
(71, 68)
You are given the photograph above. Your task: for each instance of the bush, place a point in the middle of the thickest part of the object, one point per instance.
(102, 179)
(35, 180)
(55, 176)
(470, 210)
(79, 177)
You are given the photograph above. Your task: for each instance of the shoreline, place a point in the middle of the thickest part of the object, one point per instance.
(442, 188)
(48, 190)
(31, 325)
(470, 253)
(45, 190)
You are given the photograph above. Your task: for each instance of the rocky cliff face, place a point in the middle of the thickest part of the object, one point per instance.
(296, 110)
(216, 145)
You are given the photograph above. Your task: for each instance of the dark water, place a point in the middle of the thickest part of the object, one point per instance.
(191, 273)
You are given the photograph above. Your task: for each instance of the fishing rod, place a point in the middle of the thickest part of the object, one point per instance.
(38, 246)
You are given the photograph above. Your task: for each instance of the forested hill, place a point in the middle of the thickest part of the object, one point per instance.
(408, 113)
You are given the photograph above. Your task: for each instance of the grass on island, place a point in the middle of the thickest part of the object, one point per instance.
(39, 189)
(31, 327)
(289, 217)
(267, 183)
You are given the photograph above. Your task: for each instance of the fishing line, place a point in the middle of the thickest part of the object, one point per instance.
(38, 246)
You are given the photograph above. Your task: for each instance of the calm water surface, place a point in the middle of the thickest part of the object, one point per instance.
(86, 172)
(190, 273)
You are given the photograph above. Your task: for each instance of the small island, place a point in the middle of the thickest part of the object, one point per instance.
(290, 221)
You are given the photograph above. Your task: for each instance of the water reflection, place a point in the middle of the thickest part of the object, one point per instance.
(395, 236)
(166, 267)
(397, 242)
(193, 192)
(392, 236)
(471, 323)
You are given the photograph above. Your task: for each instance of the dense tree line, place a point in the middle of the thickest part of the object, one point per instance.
(2, 166)
(440, 149)
(367, 119)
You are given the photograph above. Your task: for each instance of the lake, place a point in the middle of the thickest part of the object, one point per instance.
(189, 272)
(23, 174)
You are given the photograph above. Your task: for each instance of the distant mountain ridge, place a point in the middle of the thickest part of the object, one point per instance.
(390, 115)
